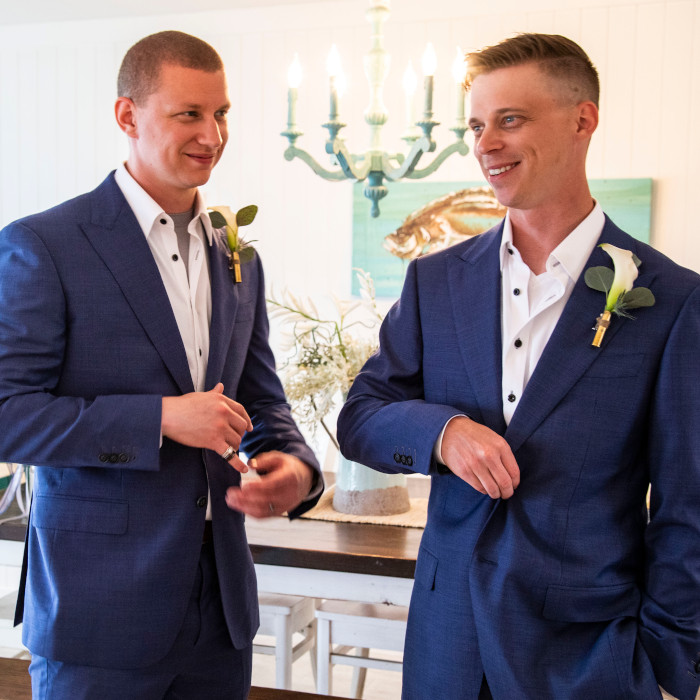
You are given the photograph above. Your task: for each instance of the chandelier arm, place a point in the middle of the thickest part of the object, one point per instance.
(293, 152)
(421, 146)
(456, 147)
(352, 166)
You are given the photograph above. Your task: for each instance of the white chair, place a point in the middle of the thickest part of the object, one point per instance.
(282, 616)
(342, 626)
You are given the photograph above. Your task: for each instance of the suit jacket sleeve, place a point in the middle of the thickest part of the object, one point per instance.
(260, 392)
(41, 425)
(386, 412)
(670, 612)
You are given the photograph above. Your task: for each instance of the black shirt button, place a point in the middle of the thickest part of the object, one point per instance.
(163, 221)
(202, 502)
(516, 291)
(518, 343)
(511, 397)
(175, 256)
(510, 251)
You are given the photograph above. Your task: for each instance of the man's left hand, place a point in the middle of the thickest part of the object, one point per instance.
(283, 484)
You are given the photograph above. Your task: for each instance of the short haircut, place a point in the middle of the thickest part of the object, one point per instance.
(558, 57)
(140, 70)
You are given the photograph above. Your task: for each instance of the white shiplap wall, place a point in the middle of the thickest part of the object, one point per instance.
(58, 137)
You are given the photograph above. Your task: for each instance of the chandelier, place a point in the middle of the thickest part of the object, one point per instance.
(377, 165)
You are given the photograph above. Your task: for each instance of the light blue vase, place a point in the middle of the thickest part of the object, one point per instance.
(360, 490)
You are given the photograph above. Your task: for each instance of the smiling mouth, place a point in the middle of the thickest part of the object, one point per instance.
(502, 169)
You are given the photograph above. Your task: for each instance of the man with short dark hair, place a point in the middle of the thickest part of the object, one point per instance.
(133, 366)
(540, 575)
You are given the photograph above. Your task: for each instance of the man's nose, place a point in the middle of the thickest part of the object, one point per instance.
(488, 141)
(212, 133)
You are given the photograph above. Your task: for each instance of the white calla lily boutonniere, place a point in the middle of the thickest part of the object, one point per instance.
(619, 287)
(239, 250)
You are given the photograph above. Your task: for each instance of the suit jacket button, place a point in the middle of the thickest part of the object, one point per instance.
(104, 457)
(123, 457)
(397, 458)
(114, 458)
(409, 461)
(202, 502)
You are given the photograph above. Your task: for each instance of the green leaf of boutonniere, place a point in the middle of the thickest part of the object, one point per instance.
(246, 215)
(599, 278)
(217, 219)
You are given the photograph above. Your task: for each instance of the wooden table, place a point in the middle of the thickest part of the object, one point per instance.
(322, 559)
(15, 685)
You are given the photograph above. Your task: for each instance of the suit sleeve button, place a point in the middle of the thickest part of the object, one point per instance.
(397, 458)
(202, 502)
(409, 461)
(104, 457)
(123, 457)
(113, 458)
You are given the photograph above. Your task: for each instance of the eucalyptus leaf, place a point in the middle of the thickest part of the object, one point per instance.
(638, 297)
(246, 254)
(246, 215)
(217, 219)
(599, 278)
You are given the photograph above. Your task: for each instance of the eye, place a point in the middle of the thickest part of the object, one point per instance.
(511, 120)
(221, 115)
(476, 129)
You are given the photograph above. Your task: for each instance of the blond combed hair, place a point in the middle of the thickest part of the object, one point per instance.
(557, 56)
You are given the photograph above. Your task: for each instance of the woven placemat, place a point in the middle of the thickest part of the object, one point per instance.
(415, 517)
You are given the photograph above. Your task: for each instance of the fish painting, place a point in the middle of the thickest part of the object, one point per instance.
(445, 221)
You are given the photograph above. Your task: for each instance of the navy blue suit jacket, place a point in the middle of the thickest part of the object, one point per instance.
(564, 591)
(88, 347)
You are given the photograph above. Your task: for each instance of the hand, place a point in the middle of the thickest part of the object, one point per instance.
(284, 482)
(481, 457)
(206, 419)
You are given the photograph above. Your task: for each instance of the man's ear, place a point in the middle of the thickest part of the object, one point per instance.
(125, 112)
(587, 118)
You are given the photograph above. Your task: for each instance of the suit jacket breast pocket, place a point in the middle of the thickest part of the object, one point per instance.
(613, 365)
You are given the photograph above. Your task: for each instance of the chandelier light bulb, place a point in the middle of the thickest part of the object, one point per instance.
(333, 62)
(429, 60)
(294, 72)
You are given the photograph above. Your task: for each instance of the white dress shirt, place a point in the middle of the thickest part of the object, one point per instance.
(189, 294)
(532, 304)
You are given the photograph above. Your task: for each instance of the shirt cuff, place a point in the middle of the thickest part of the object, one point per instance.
(437, 449)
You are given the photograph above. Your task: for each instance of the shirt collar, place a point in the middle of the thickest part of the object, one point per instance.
(147, 211)
(573, 252)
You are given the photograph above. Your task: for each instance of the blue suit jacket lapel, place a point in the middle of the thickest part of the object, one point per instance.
(224, 301)
(118, 239)
(570, 352)
(474, 282)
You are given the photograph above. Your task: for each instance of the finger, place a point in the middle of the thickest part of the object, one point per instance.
(251, 503)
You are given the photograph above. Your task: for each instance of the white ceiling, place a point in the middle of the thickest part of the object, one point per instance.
(27, 11)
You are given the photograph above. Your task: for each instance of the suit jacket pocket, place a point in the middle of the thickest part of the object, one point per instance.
(594, 604)
(615, 364)
(108, 517)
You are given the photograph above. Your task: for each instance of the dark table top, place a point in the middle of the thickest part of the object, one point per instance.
(383, 550)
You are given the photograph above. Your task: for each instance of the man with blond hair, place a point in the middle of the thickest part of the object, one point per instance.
(133, 366)
(541, 574)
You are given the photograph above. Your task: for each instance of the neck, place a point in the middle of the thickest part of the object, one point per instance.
(537, 232)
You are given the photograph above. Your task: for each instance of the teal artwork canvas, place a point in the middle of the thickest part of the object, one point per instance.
(463, 208)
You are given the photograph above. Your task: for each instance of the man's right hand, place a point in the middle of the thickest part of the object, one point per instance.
(206, 419)
(481, 457)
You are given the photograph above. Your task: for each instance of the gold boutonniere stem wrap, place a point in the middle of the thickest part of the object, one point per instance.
(240, 251)
(618, 285)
